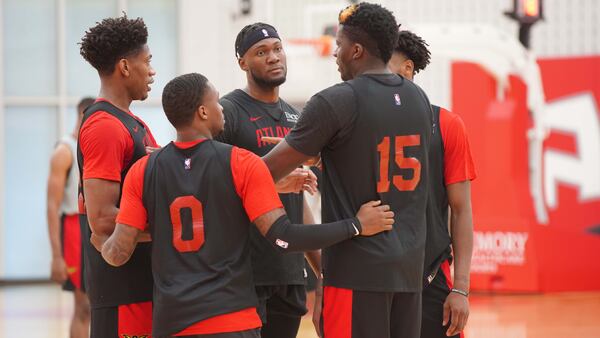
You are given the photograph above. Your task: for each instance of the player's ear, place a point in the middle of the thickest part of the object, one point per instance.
(408, 66)
(242, 63)
(202, 112)
(123, 67)
(357, 51)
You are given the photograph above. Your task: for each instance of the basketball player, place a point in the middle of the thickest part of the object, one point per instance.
(252, 113)
(110, 141)
(197, 198)
(445, 302)
(63, 224)
(372, 133)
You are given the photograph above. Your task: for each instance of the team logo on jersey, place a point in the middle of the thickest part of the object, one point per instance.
(291, 117)
(265, 33)
(187, 163)
(397, 99)
(281, 243)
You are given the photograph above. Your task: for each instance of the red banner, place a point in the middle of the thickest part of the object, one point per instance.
(515, 248)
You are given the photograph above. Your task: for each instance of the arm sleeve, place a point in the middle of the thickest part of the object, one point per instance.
(132, 211)
(458, 161)
(253, 183)
(287, 237)
(325, 120)
(104, 142)
(230, 128)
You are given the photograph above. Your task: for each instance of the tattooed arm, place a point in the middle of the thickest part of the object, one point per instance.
(117, 249)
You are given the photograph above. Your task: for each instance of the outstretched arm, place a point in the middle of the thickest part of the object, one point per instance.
(371, 219)
(283, 159)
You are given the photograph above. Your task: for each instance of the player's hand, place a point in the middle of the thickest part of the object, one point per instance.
(375, 218)
(456, 311)
(58, 270)
(150, 150)
(98, 241)
(297, 181)
(311, 162)
(318, 308)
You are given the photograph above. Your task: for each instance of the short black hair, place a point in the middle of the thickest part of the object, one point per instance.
(112, 39)
(247, 29)
(182, 96)
(373, 26)
(84, 103)
(414, 48)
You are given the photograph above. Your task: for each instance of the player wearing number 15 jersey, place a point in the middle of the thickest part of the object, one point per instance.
(373, 133)
(197, 198)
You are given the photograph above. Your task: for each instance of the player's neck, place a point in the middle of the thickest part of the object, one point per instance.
(372, 68)
(115, 94)
(190, 134)
(263, 94)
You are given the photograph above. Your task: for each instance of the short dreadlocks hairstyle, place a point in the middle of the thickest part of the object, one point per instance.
(182, 96)
(372, 26)
(414, 48)
(246, 30)
(112, 39)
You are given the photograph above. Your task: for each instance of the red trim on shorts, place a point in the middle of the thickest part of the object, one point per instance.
(72, 248)
(337, 312)
(135, 320)
(242, 320)
(445, 267)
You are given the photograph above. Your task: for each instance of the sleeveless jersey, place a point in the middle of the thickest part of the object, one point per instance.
(200, 234)
(131, 283)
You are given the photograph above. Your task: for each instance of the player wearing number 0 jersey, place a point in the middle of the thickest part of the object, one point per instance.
(372, 133)
(445, 303)
(197, 198)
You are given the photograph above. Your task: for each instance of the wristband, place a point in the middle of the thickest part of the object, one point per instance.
(460, 292)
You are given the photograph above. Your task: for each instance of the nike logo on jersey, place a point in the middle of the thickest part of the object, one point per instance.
(135, 129)
(255, 118)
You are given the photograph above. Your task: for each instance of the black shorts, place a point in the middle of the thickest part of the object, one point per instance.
(285, 300)
(434, 296)
(351, 313)
(72, 245)
(131, 320)
(254, 333)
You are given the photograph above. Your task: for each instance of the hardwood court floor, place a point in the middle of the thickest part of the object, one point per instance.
(43, 311)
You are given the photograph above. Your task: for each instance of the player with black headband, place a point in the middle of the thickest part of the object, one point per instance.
(372, 133)
(252, 113)
(198, 197)
(445, 302)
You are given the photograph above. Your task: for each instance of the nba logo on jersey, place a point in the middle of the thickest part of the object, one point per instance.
(187, 163)
(397, 99)
(264, 31)
(281, 243)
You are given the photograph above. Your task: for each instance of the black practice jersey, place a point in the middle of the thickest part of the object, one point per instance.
(107, 285)
(437, 248)
(373, 133)
(246, 121)
(200, 236)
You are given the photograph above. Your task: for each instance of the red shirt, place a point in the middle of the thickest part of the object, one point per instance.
(458, 161)
(254, 185)
(107, 145)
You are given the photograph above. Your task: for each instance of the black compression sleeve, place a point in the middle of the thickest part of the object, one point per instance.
(288, 237)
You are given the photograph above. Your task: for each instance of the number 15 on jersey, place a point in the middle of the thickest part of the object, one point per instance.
(401, 160)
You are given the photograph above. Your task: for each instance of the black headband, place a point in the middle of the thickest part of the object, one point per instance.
(253, 37)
